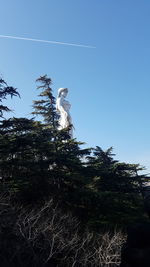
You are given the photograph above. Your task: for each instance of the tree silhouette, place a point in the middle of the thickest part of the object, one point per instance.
(5, 91)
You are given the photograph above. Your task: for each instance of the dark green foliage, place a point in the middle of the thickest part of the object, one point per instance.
(116, 188)
(46, 105)
(38, 161)
(26, 152)
(6, 90)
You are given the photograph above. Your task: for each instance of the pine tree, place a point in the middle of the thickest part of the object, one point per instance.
(26, 151)
(117, 191)
(112, 175)
(6, 90)
(46, 105)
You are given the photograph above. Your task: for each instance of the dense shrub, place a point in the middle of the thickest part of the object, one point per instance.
(44, 236)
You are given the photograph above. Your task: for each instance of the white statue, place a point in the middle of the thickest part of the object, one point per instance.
(63, 107)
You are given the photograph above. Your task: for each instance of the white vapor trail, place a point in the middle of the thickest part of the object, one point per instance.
(44, 41)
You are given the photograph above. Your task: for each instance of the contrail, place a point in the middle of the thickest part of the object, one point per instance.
(45, 41)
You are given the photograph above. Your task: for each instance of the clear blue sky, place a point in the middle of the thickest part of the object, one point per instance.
(109, 87)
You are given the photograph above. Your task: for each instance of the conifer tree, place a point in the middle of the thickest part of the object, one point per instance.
(116, 189)
(46, 105)
(38, 161)
(6, 90)
(26, 151)
(112, 175)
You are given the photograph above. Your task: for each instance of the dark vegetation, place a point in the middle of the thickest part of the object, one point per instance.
(136, 251)
(60, 203)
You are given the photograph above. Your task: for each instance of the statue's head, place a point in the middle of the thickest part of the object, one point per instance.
(62, 92)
